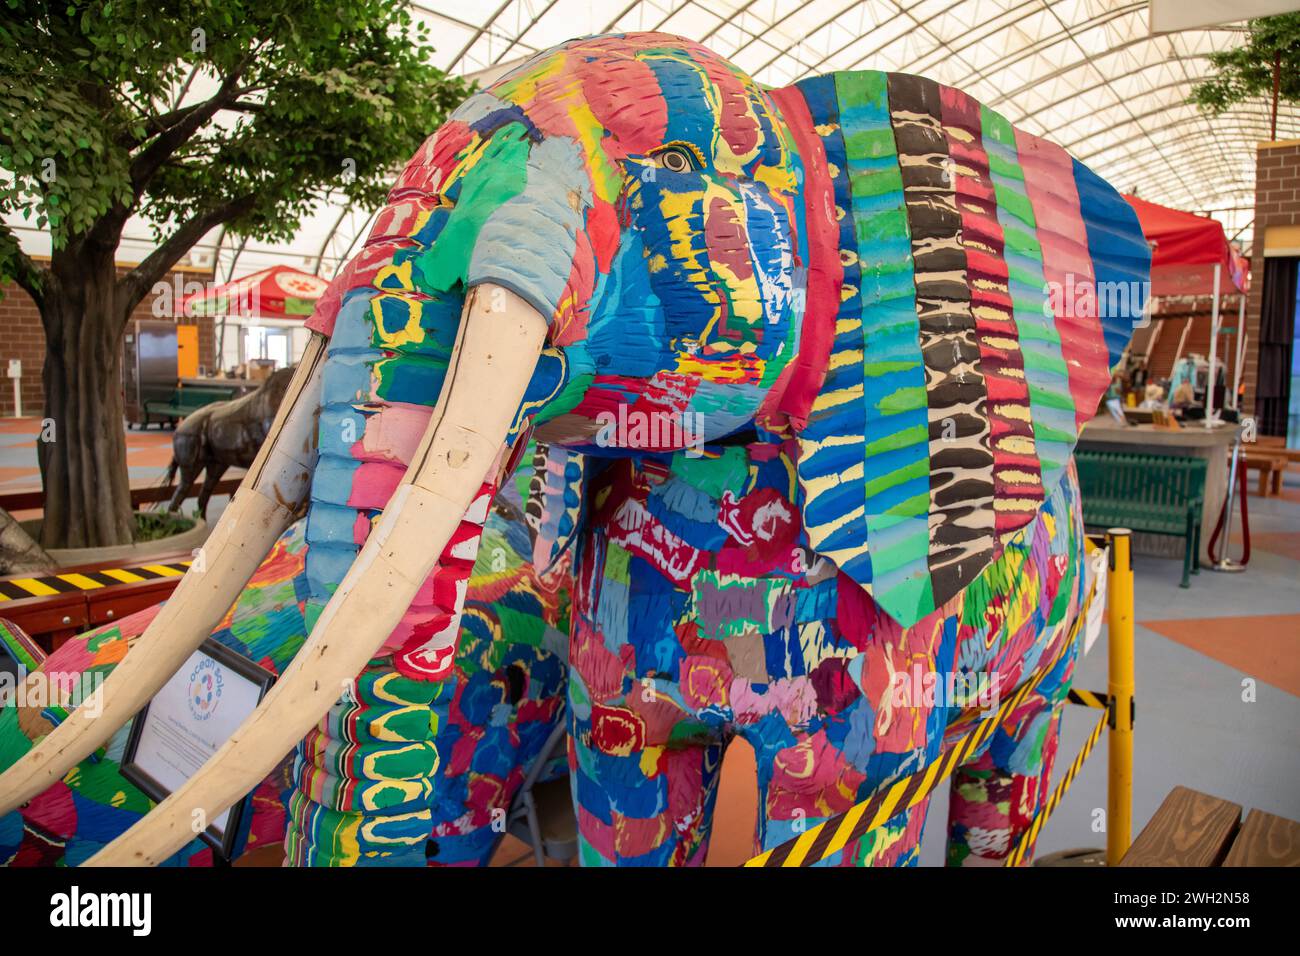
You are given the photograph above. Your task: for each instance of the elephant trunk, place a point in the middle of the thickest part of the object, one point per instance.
(429, 522)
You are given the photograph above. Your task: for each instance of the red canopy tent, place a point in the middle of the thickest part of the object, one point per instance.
(275, 293)
(1191, 256)
(1184, 251)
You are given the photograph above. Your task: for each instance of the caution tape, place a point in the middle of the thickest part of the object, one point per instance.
(1089, 698)
(832, 835)
(1029, 837)
(17, 589)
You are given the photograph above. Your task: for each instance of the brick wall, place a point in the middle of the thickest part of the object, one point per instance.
(23, 337)
(1277, 203)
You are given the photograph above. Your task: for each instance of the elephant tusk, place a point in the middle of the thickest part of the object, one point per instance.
(268, 500)
(493, 360)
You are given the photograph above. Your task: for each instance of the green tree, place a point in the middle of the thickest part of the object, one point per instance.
(192, 115)
(1272, 51)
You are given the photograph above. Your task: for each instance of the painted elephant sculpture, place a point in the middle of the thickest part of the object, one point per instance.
(824, 352)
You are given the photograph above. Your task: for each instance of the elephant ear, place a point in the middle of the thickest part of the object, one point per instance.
(965, 340)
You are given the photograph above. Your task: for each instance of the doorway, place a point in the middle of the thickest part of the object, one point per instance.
(266, 343)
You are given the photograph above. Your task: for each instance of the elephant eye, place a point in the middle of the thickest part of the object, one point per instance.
(676, 159)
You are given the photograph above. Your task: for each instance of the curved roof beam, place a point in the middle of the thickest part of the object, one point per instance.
(517, 40)
(813, 68)
(1072, 147)
(1199, 157)
(1061, 36)
(474, 37)
(1137, 165)
(775, 29)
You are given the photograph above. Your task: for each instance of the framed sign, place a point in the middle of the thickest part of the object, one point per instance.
(193, 714)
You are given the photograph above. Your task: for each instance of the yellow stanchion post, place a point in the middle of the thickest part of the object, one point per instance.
(1119, 621)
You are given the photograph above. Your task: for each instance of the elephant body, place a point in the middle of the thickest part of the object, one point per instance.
(223, 435)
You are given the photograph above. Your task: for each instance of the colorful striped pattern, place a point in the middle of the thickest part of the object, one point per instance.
(873, 395)
(972, 339)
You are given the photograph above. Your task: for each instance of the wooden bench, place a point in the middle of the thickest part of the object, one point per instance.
(185, 400)
(1157, 494)
(1271, 468)
(1276, 445)
(1195, 829)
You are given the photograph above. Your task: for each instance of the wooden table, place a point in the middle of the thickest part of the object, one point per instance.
(1193, 440)
(1195, 829)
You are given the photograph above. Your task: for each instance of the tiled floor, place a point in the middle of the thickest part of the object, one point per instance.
(1218, 680)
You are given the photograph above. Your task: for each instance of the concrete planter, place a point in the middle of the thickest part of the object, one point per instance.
(127, 554)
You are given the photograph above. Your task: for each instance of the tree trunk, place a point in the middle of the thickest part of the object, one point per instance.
(18, 552)
(82, 448)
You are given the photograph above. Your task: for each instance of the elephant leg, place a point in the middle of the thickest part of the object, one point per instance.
(644, 795)
(510, 676)
(996, 794)
(210, 478)
(643, 761)
(804, 782)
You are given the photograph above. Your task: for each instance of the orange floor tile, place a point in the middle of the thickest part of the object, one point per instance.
(736, 814)
(1266, 647)
(1283, 543)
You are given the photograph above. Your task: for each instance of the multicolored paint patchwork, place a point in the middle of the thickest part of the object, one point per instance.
(850, 278)
(853, 261)
(491, 717)
(405, 770)
(763, 640)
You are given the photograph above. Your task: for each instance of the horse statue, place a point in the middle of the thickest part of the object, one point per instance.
(223, 435)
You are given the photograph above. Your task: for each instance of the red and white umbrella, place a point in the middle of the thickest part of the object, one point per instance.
(275, 293)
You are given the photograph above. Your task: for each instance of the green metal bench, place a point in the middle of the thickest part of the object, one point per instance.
(185, 401)
(1157, 494)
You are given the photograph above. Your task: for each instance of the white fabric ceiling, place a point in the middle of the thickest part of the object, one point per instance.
(1085, 73)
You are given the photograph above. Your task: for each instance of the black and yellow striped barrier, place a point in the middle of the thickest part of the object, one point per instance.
(1025, 844)
(18, 589)
(1088, 698)
(832, 835)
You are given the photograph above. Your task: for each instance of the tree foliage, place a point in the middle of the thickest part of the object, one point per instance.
(195, 113)
(190, 114)
(1247, 71)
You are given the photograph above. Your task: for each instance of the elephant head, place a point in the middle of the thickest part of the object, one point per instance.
(627, 246)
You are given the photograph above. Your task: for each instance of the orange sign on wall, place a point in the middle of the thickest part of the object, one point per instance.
(187, 351)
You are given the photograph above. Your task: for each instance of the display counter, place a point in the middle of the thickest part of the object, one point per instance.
(1192, 440)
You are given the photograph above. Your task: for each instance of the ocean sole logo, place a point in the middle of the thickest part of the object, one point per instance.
(77, 909)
